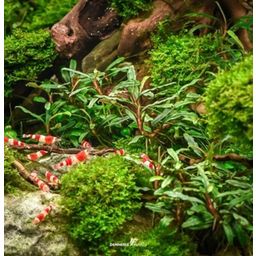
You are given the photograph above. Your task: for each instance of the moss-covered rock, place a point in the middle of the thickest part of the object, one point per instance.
(229, 100)
(97, 198)
(27, 55)
(13, 182)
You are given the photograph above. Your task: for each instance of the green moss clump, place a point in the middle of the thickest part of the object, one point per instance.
(160, 241)
(46, 13)
(98, 197)
(128, 9)
(15, 14)
(36, 14)
(182, 58)
(26, 56)
(229, 100)
(13, 182)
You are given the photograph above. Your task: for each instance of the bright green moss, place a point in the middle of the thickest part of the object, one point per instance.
(229, 100)
(12, 180)
(27, 54)
(128, 9)
(182, 58)
(160, 241)
(98, 197)
(46, 13)
(31, 15)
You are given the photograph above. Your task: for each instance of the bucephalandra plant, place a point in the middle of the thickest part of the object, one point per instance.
(206, 196)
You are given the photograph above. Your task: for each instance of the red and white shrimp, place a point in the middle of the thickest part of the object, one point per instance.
(147, 162)
(51, 178)
(74, 159)
(46, 139)
(41, 216)
(120, 152)
(14, 142)
(39, 183)
(86, 144)
(37, 155)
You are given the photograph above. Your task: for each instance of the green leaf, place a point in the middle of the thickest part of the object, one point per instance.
(70, 124)
(135, 139)
(192, 144)
(196, 223)
(155, 178)
(76, 133)
(48, 86)
(131, 115)
(66, 113)
(181, 196)
(116, 62)
(39, 99)
(157, 207)
(131, 74)
(173, 154)
(73, 64)
(200, 26)
(241, 234)
(65, 75)
(235, 38)
(204, 177)
(243, 221)
(166, 221)
(47, 106)
(166, 181)
(144, 80)
(37, 117)
(239, 184)
(92, 102)
(228, 232)
(160, 117)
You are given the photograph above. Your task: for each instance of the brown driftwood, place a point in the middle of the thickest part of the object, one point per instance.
(91, 21)
(237, 9)
(83, 27)
(58, 150)
(23, 172)
(136, 34)
(226, 157)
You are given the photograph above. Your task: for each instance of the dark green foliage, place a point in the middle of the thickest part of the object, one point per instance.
(161, 241)
(128, 9)
(15, 13)
(227, 185)
(46, 13)
(12, 180)
(98, 197)
(31, 15)
(29, 51)
(229, 100)
(26, 56)
(184, 57)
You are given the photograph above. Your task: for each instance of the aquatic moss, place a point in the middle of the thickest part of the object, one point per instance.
(27, 55)
(160, 241)
(128, 9)
(229, 101)
(181, 58)
(98, 197)
(13, 182)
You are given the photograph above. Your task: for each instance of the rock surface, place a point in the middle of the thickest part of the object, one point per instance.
(24, 238)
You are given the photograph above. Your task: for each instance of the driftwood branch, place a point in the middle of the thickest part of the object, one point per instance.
(58, 150)
(226, 157)
(23, 171)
